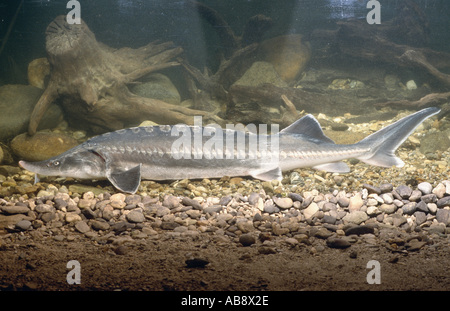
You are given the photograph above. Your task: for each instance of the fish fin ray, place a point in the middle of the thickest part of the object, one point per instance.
(309, 127)
(385, 142)
(126, 181)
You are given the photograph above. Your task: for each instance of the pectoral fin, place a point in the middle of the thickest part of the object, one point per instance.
(126, 181)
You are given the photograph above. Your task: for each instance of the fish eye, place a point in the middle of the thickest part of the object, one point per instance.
(53, 163)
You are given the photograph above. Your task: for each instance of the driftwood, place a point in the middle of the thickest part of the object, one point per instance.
(91, 80)
(237, 50)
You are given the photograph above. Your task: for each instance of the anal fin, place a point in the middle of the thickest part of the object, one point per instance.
(126, 181)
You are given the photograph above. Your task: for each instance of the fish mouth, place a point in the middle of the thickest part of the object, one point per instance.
(23, 164)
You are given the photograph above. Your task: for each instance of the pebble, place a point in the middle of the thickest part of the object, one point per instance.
(356, 202)
(312, 209)
(135, 217)
(425, 187)
(340, 218)
(283, 203)
(247, 239)
(443, 216)
(191, 202)
(338, 243)
(15, 209)
(356, 217)
(358, 230)
(23, 225)
(82, 227)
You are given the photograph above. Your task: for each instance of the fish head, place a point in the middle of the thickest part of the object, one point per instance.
(76, 162)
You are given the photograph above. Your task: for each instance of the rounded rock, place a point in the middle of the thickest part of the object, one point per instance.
(23, 225)
(425, 187)
(283, 203)
(135, 217)
(247, 239)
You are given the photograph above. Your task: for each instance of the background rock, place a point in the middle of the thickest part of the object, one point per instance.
(41, 146)
(38, 72)
(158, 86)
(288, 54)
(16, 104)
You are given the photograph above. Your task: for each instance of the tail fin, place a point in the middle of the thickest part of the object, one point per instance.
(384, 142)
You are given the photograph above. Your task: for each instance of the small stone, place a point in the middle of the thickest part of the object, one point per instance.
(47, 217)
(322, 233)
(121, 250)
(213, 209)
(386, 188)
(372, 189)
(409, 208)
(72, 217)
(356, 202)
(425, 187)
(443, 202)
(99, 225)
(118, 200)
(415, 196)
(191, 202)
(388, 208)
(224, 201)
(373, 211)
(247, 239)
(329, 219)
(343, 201)
(169, 225)
(421, 217)
(429, 198)
(404, 191)
(310, 210)
(358, 230)
(356, 217)
(283, 203)
(338, 243)
(23, 225)
(422, 206)
(439, 190)
(443, 216)
(292, 241)
(415, 245)
(194, 214)
(437, 229)
(432, 207)
(270, 208)
(296, 197)
(171, 201)
(15, 209)
(245, 226)
(135, 217)
(82, 227)
(162, 211)
(387, 198)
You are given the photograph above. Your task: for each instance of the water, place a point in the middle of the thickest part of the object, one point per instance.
(134, 23)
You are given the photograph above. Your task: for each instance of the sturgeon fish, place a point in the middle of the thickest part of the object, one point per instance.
(126, 156)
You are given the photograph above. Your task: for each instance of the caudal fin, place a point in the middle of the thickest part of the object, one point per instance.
(384, 142)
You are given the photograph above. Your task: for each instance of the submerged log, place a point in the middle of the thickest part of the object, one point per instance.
(92, 79)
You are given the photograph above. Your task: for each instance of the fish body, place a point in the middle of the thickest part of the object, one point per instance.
(166, 152)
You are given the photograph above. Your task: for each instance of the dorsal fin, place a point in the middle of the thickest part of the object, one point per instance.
(309, 127)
